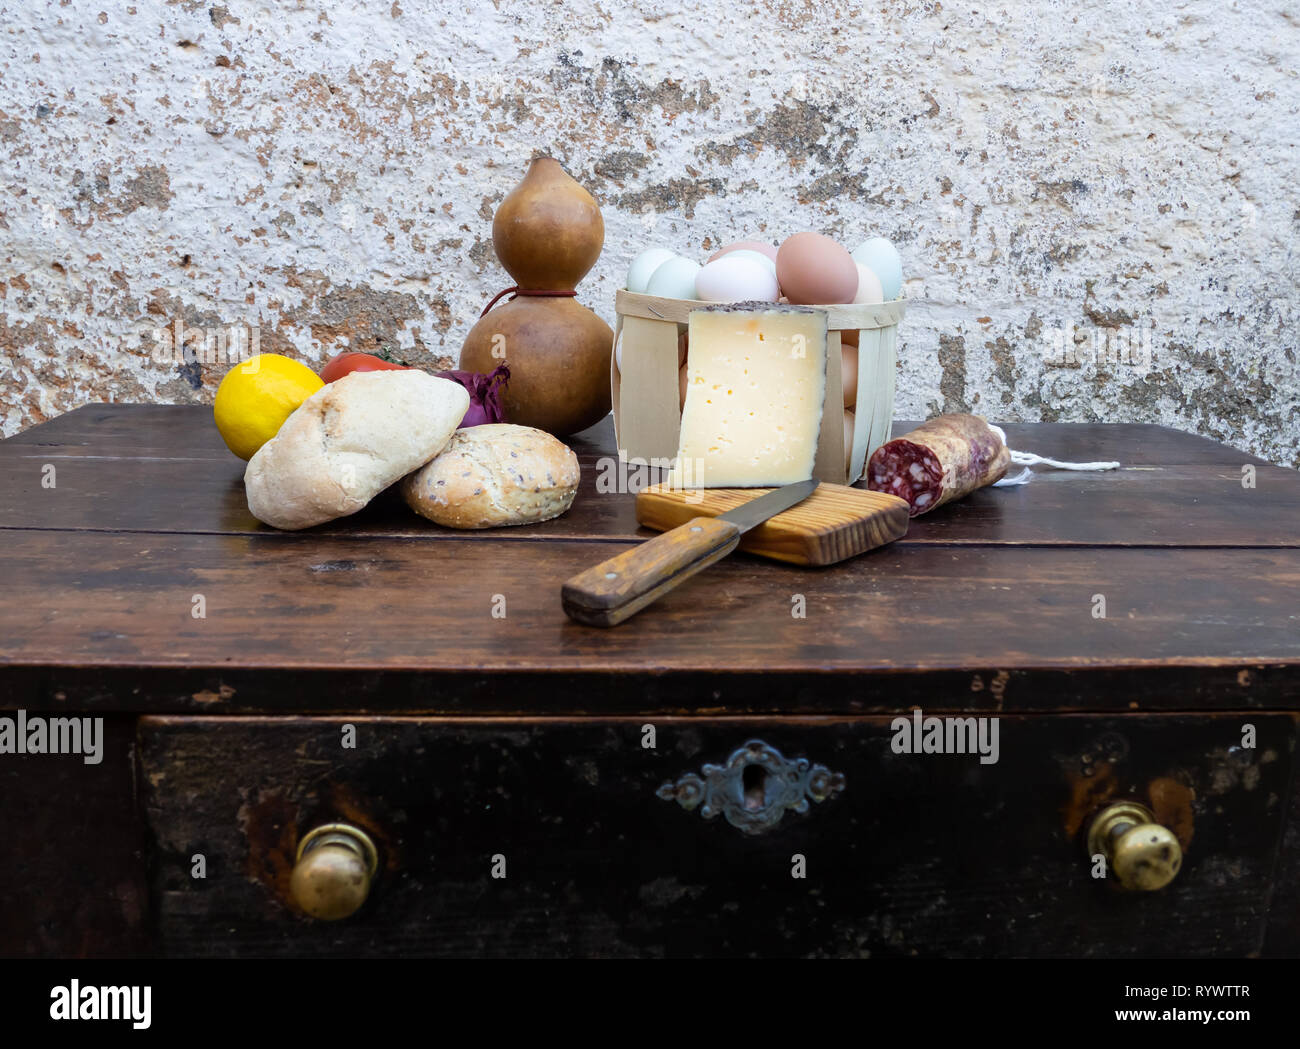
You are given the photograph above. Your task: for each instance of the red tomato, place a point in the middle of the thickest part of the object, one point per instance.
(348, 362)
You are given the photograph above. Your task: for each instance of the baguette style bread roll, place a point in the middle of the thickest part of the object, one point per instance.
(348, 442)
(495, 474)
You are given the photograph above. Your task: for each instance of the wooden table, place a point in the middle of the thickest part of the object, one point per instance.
(491, 732)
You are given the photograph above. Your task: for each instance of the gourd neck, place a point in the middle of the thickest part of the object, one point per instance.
(533, 292)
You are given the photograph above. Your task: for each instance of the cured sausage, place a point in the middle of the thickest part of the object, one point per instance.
(941, 460)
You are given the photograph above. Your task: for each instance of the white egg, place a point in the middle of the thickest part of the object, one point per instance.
(732, 279)
(757, 256)
(869, 289)
(674, 279)
(882, 258)
(644, 265)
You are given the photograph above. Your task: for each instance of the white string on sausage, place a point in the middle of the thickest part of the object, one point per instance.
(1028, 459)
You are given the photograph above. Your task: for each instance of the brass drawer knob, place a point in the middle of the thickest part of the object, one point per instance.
(336, 864)
(1143, 855)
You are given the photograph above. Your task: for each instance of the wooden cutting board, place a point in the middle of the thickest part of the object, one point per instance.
(832, 524)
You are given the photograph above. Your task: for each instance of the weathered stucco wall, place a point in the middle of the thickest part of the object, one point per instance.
(1113, 179)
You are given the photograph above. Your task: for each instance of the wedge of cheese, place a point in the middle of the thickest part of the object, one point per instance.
(755, 390)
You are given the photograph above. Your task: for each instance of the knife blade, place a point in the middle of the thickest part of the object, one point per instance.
(618, 588)
(756, 511)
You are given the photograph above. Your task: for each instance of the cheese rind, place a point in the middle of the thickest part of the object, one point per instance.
(755, 393)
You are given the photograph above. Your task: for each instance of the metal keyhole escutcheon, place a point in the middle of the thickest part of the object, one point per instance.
(754, 788)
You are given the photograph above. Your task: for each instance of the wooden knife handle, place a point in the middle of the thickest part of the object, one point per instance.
(622, 586)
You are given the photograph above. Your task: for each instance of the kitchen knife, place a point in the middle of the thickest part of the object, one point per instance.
(622, 586)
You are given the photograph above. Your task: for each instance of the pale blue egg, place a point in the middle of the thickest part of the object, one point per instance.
(643, 267)
(675, 279)
(882, 258)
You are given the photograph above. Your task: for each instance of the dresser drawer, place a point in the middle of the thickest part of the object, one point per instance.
(539, 837)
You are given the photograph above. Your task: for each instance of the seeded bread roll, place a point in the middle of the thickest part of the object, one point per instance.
(348, 442)
(492, 475)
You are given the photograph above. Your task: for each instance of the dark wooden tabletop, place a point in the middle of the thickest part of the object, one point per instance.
(986, 604)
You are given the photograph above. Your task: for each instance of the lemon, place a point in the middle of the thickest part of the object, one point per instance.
(255, 398)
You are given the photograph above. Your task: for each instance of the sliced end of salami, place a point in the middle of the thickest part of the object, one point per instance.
(908, 470)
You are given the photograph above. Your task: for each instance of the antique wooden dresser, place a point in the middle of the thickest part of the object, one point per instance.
(383, 738)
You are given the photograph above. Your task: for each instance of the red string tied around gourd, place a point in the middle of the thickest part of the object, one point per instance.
(540, 293)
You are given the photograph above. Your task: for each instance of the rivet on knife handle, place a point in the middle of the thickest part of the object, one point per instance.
(622, 586)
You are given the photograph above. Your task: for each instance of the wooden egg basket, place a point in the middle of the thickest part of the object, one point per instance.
(647, 412)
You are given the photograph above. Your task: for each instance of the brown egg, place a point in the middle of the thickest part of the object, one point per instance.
(750, 245)
(848, 441)
(682, 343)
(849, 369)
(849, 337)
(814, 270)
(681, 386)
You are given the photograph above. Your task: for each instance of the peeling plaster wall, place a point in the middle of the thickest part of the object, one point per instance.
(1056, 176)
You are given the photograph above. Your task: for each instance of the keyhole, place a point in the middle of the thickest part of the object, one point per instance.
(753, 785)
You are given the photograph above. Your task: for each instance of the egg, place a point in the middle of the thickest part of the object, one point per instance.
(681, 386)
(733, 279)
(674, 279)
(814, 270)
(643, 267)
(848, 441)
(745, 245)
(869, 290)
(745, 253)
(882, 258)
(849, 337)
(849, 369)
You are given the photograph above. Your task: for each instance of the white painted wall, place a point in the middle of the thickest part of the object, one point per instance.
(327, 172)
